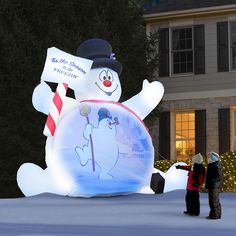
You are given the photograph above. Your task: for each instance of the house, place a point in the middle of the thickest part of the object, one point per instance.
(197, 66)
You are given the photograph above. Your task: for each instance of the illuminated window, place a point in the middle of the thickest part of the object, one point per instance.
(184, 135)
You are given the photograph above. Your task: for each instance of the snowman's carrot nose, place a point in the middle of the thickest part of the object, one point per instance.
(107, 83)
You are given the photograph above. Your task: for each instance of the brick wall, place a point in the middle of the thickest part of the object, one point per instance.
(211, 105)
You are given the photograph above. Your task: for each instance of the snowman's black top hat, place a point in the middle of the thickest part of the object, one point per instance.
(100, 51)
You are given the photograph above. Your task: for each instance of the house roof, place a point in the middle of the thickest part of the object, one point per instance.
(164, 6)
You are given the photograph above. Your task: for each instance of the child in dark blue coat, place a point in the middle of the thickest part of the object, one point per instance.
(213, 184)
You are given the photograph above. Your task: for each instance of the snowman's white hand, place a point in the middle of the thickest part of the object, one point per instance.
(42, 97)
(152, 94)
(154, 88)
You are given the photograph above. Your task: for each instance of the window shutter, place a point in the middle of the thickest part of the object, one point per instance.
(224, 130)
(222, 47)
(199, 49)
(164, 52)
(164, 136)
(200, 131)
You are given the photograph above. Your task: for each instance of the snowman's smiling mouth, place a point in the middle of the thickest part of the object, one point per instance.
(107, 93)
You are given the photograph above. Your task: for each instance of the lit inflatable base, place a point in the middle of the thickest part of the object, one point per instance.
(105, 188)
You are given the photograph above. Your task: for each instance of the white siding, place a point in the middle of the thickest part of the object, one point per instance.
(211, 80)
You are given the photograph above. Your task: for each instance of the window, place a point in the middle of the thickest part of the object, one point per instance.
(226, 46)
(233, 45)
(182, 50)
(184, 135)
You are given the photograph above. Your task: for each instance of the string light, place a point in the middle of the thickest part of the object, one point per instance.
(228, 163)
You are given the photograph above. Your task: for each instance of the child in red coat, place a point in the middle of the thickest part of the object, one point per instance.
(196, 175)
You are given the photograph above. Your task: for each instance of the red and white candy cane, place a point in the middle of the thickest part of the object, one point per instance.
(55, 110)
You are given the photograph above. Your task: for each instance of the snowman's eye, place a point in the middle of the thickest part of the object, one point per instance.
(103, 75)
(109, 75)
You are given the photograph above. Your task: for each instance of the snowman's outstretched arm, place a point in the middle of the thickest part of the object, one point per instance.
(145, 101)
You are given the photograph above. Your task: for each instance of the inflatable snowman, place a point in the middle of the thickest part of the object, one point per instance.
(100, 146)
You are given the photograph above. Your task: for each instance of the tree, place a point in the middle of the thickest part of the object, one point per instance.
(27, 29)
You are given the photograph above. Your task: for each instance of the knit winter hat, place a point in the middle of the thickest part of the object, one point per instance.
(198, 159)
(213, 157)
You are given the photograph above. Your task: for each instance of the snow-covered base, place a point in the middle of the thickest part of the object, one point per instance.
(135, 214)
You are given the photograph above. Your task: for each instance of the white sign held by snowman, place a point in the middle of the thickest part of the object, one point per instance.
(62, 67)
(66, 70)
